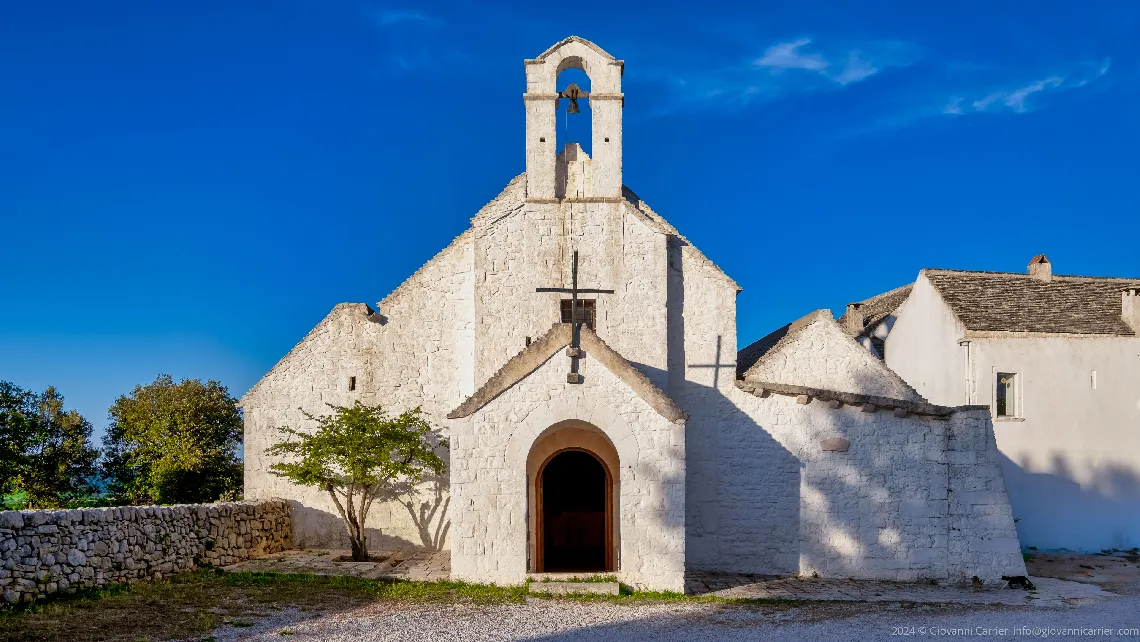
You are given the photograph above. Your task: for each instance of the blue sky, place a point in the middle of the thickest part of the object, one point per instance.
(190, 187)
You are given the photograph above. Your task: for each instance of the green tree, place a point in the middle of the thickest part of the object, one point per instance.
(46, 456)
(174, 443)
(358, 454)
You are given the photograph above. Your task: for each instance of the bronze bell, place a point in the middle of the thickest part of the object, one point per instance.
(573, 92)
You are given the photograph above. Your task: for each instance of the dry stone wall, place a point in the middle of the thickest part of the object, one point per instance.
(46, 552)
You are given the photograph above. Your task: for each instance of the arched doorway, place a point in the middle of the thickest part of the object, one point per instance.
(573, 498)
(574, 513)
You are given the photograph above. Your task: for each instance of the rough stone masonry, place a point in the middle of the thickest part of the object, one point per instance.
(44, 552)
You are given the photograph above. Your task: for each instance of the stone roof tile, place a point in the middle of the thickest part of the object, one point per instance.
(1013, 302)
(877, 308)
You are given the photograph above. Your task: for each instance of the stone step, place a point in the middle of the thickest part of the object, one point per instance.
(575, 588)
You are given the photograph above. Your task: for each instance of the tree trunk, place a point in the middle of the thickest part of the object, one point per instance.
(355, 527)
(359, 548)
(358, 537)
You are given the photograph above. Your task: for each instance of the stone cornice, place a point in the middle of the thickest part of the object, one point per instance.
(1014, 334)
(542, 349)
(550, 96)
(576, 199)
(764, 388)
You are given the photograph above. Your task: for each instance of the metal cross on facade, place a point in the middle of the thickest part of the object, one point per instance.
(575, 349)
(716, 365)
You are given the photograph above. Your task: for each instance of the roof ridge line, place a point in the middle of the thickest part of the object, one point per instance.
(534, 356)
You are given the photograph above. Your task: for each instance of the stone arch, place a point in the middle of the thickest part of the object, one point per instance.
(557, 412)
(562, 437)
(571, 62)
(604, 70)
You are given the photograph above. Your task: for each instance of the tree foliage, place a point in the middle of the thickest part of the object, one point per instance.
(46, 456)
(174, 443)
(358, 454)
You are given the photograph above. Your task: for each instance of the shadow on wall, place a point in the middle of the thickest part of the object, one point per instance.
(429, 516)
(742, 491)
(1054, 511)
(318, 528)
(425, 506)
(879, 509)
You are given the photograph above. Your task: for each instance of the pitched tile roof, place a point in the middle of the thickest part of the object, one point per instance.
(747, 356)
(1012, 302)
(877, 308)
(1016, 302)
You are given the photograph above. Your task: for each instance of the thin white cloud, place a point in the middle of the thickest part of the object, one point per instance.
(1023, 98)
(843, 67)
(785, 68)
(1015, 98)
(857, 69)
(787, 55)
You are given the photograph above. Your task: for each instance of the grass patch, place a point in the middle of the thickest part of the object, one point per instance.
(586, 579)
(191, 605)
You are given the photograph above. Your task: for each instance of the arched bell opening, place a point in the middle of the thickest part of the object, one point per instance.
(573, 118)
(573, 499)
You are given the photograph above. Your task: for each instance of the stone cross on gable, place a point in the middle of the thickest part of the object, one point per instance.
(575, 349)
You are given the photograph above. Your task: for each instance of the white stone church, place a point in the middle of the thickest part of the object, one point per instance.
(632, 442)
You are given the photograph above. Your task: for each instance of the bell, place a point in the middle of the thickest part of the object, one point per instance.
(573, 92)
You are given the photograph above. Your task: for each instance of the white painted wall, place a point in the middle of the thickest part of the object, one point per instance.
(420, 355)
(923, 346)
(490, 486)
(879, 511)
(1073, 457)
(914, 497)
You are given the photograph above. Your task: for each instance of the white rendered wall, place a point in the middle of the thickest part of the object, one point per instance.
(490, 486)
(702, 372)
(881, 510)
(530, 247)
(420, 356)
(1072, 459)
(923, 346)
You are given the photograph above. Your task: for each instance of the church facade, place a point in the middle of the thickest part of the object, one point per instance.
(578, 352)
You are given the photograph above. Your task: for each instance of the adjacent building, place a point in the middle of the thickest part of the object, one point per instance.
(1056, 359)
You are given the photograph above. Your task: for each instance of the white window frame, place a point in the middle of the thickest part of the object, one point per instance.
(1018, 396)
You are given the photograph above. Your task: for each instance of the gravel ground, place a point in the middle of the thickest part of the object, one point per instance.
(1114, 618)
(553, 620)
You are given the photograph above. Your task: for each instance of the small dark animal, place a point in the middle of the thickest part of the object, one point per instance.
(977, 582)
(1019, 582)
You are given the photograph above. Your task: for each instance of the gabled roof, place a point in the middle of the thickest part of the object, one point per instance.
(877, 308)
(541, 350)
(578, 39)
(1013, 302)
(815, 352)
(657, 222)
